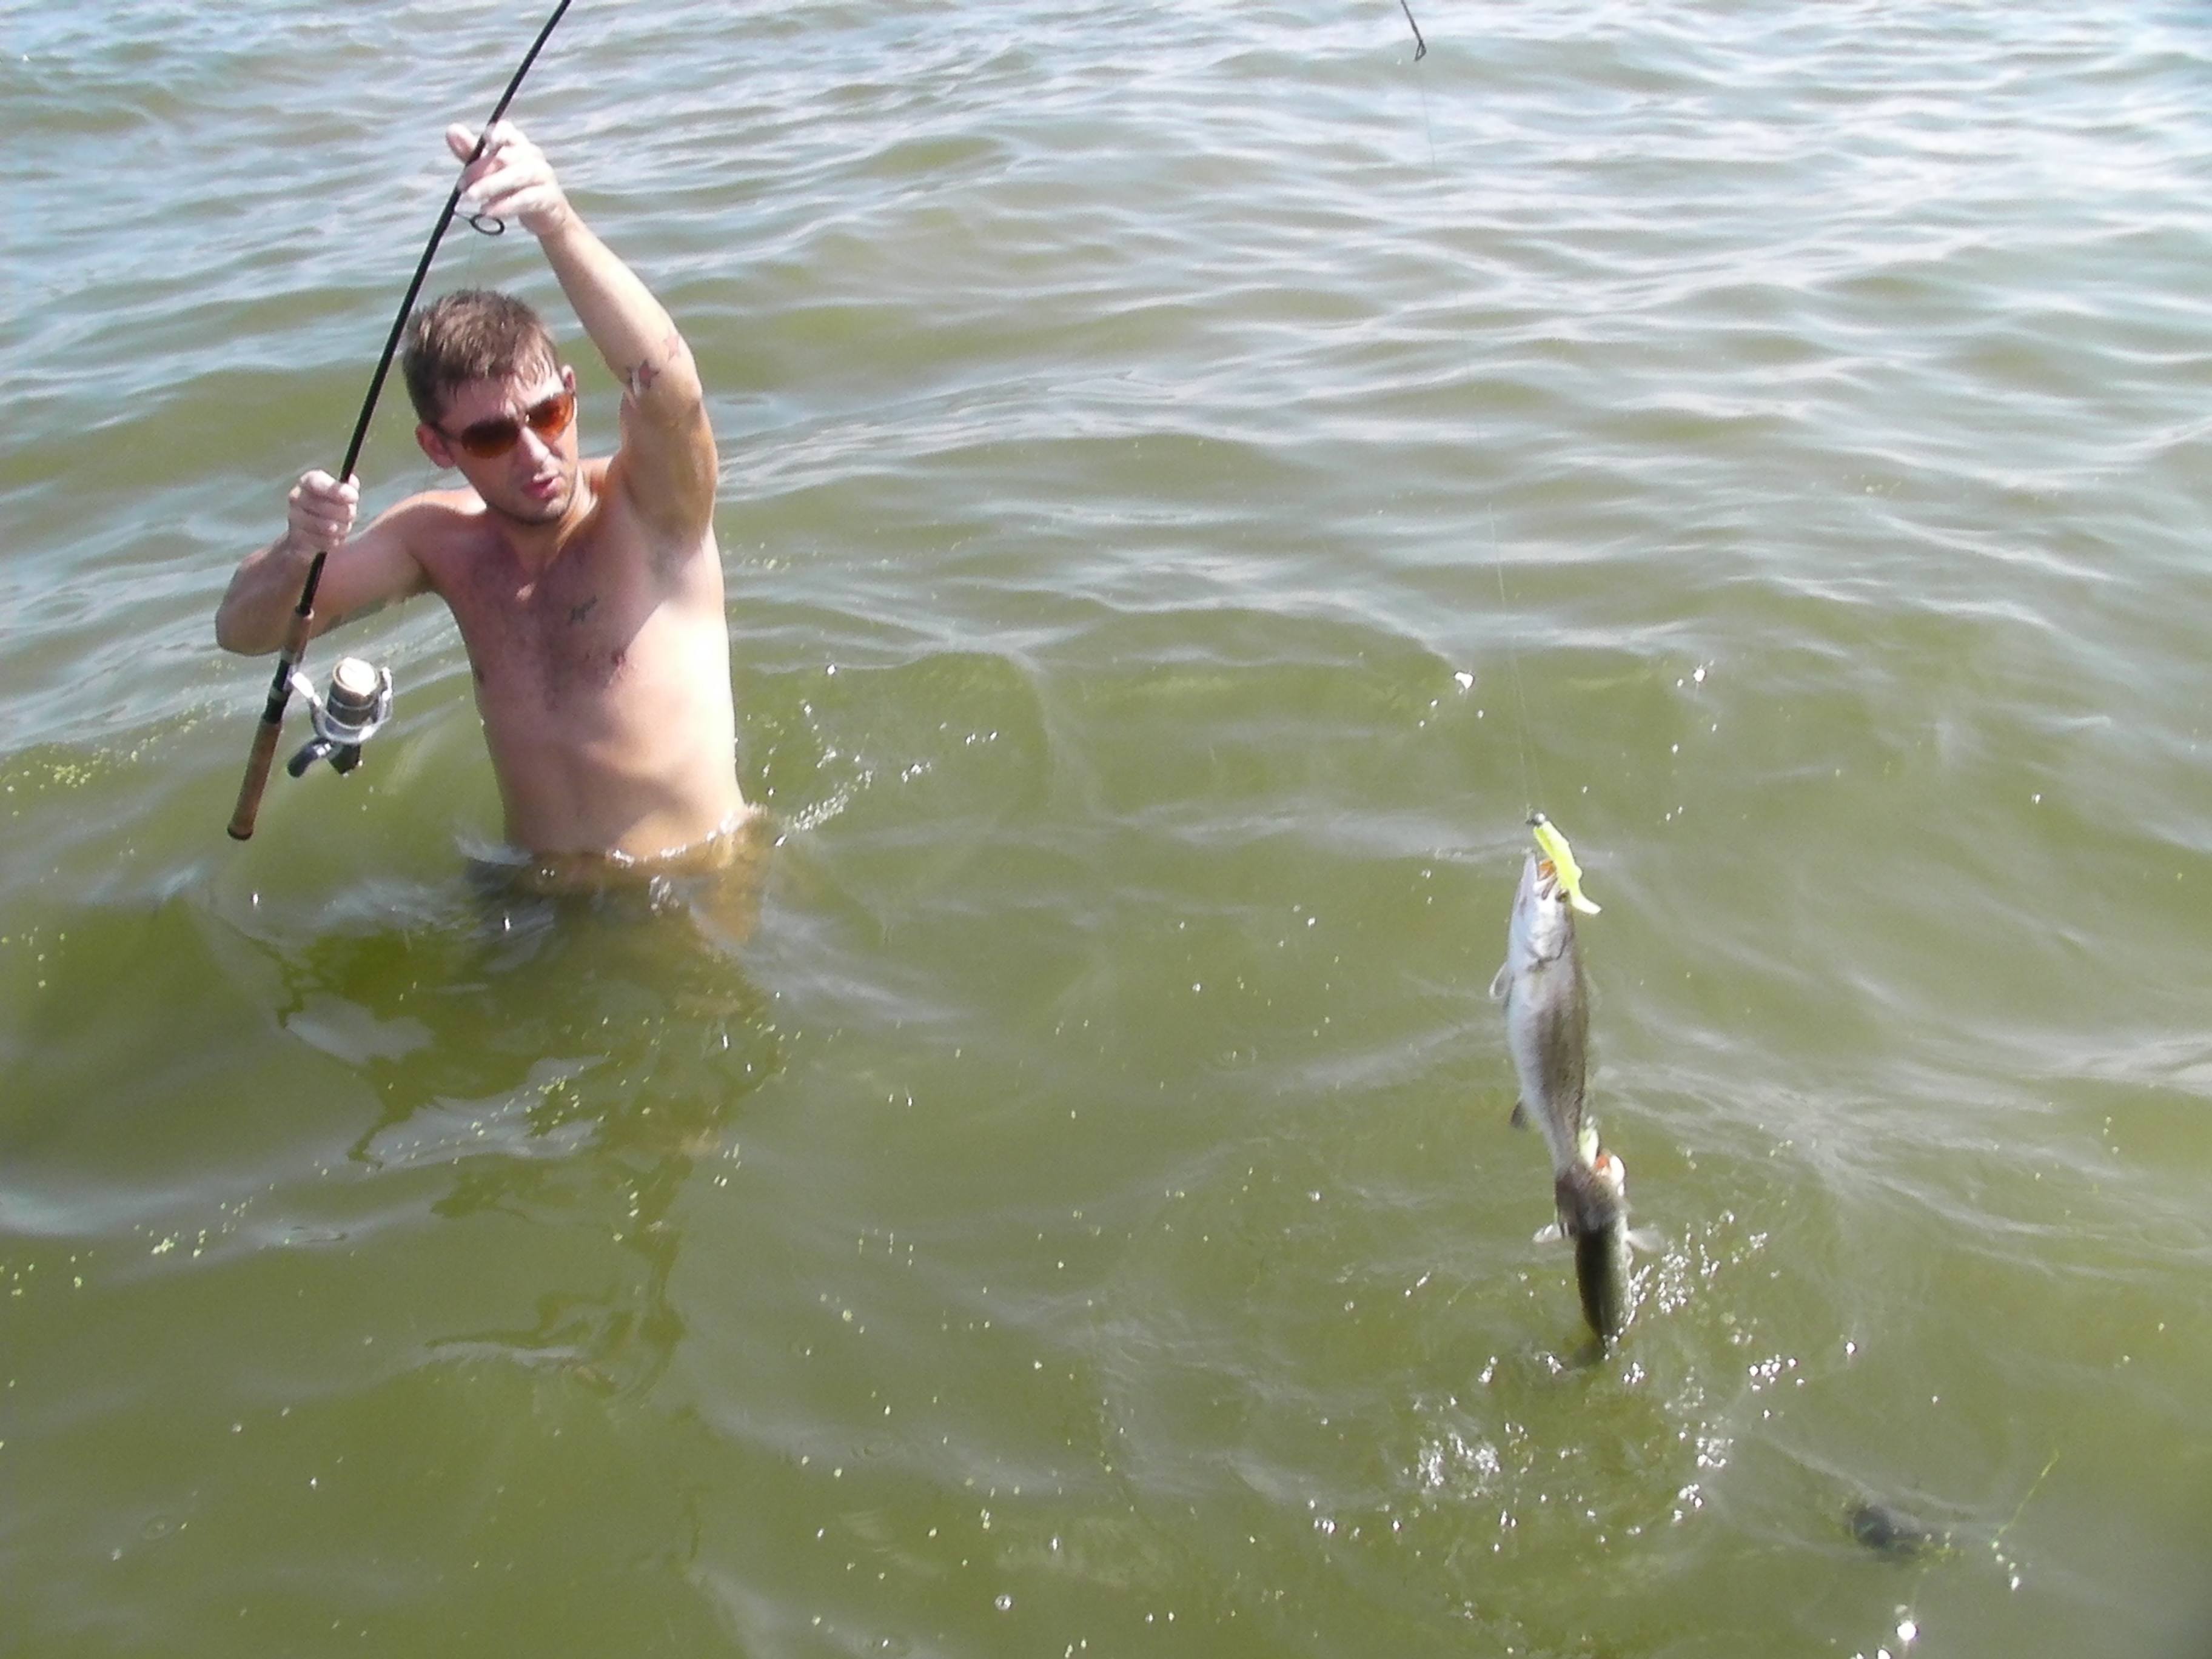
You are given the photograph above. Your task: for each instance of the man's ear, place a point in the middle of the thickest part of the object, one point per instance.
(433, 445)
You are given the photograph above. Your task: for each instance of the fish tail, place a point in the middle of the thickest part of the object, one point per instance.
(1602, 1283)
(1595, 1215)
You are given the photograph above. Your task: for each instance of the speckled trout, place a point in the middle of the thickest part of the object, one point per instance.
(1547, 1033)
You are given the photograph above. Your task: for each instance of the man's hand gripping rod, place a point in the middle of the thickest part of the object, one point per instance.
(264, 753)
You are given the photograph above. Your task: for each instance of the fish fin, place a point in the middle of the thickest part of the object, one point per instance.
(1502, 981)
(1646, 1239)
(1549, 1233)
(1520, 1118)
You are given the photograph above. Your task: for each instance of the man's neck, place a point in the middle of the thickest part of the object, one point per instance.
(536, 545)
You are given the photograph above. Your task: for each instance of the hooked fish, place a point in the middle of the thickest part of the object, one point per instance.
(1547, 1033)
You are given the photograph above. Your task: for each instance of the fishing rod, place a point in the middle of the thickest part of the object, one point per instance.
(354, 710)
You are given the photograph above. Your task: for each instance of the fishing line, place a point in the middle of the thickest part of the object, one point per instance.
(1528, 769)
(1996, 1539)
(1513, 662)
(264, 752)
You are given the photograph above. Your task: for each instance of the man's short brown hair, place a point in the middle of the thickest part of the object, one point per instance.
(473, 334)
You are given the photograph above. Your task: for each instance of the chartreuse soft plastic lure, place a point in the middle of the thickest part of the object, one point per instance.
(1554, 846)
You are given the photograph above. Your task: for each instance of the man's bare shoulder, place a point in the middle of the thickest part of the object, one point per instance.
(439, 531)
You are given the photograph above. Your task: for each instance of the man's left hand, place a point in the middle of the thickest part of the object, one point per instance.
(512, 179)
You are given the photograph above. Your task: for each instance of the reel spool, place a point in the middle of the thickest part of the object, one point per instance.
(359, 703)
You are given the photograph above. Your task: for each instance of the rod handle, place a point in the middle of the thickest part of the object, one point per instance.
(264, 753)
(258, 762)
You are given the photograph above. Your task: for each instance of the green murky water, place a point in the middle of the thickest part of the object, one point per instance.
(1193, 477)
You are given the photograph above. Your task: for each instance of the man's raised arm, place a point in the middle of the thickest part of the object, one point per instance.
(666, 463)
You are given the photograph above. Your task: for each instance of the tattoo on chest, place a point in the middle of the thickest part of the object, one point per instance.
(578, 612)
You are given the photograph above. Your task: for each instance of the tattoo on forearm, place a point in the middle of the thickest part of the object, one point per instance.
(640, 377)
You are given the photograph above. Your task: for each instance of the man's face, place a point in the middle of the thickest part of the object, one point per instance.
(530, 476)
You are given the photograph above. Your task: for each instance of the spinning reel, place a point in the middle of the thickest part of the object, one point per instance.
(358, 705)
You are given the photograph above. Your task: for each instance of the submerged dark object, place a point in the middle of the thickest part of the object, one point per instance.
(1889, 1531)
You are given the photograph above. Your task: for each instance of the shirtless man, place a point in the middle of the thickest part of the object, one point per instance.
(588, 592)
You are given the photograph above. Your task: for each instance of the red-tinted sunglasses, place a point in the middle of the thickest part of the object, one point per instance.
(487, 441)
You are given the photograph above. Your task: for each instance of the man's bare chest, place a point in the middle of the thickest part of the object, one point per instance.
(549, 636)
